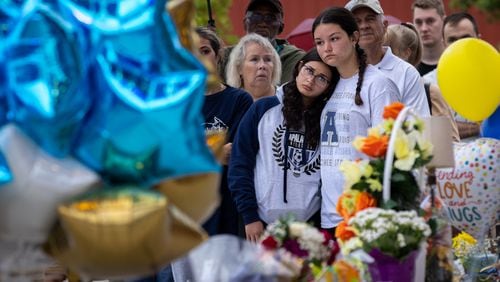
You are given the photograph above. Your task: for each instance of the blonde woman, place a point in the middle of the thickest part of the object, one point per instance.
(254, 66)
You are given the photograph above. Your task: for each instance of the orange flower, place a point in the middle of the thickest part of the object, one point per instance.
(375, 146)
(343, 232)
(345, 272)
(346, 204)
(365, 200)
(392, 111)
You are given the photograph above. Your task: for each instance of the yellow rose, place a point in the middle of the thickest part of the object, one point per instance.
(407, 162)
(366, 168)
(358, 142)
(352, 173)
(401, 146)
(374, 131)
(426, 147)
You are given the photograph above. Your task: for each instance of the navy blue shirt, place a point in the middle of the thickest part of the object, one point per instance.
(224, 110)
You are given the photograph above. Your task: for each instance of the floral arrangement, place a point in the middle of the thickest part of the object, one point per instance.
(394, 233)
(314, 247)
(363, 178)
(300, 239)
(466, 250)
(463, 244)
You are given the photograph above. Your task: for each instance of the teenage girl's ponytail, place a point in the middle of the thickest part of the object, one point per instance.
(361, 74)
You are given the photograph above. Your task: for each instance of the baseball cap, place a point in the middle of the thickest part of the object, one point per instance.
(374, 5)
(276, 4)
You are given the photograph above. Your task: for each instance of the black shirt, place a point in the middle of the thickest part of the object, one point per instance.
(424, 68)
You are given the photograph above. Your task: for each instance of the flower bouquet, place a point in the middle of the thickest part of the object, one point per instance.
(392, 238)
(476, 259)
(312, 247)
(363, 178)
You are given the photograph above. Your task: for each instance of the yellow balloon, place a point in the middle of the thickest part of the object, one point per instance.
(468, 74)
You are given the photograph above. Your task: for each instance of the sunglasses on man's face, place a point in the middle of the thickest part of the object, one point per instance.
(257, 17)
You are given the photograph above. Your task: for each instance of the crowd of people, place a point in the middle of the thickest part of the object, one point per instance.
(308, 105)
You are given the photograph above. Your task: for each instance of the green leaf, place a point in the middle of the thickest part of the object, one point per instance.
(390, 204)
(398, 177)
(220, 14)
(490, 7)
(361, 186)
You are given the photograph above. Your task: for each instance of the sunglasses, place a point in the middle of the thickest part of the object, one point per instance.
(256, 17)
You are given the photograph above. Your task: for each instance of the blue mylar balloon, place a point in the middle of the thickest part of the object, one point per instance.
(47, 92)
(491, 126)
(112, 17)
(5, 173)
(145, 125)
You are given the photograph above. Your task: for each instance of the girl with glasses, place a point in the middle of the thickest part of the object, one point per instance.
(275, 166)
(356, 104)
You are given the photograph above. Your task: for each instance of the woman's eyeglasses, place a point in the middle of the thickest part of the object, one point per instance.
(319, 79)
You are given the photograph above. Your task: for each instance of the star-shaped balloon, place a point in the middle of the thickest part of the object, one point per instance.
(145, 124)
(5, 173)
(111, 16)
(46, 90)
(28, 203)
(121, 232)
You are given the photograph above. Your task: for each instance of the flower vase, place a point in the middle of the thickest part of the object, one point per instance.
(387, 268)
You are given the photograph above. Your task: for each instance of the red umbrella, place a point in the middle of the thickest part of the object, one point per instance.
(301, 35)
(392, 19)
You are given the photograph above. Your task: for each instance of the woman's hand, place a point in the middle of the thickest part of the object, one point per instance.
(254, 230)
(226, 153)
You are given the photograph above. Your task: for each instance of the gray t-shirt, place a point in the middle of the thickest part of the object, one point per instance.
(341, 121)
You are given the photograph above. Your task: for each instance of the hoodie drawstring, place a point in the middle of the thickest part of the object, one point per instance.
(285, 167)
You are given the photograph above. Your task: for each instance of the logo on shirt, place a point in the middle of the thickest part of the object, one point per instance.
(329, 136)
(216, 125)
(300, 158)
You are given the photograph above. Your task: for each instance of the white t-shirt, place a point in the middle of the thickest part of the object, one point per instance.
(341, 121)
(408, 81)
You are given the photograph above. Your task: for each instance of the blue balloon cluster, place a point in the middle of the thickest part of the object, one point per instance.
(106, 82)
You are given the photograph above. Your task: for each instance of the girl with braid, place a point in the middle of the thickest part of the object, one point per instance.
(357, 103)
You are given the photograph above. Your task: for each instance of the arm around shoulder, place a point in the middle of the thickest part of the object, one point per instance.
(441, 108)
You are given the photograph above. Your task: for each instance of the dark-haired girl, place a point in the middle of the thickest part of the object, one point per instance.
(275, 166)
(356, 104)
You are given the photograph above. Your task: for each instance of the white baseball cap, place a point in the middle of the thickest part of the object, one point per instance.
(372, 4)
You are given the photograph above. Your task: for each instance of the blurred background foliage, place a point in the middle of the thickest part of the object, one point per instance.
(490, 7)
(220, 13)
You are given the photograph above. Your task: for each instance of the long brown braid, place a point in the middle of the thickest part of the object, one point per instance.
(362, 67)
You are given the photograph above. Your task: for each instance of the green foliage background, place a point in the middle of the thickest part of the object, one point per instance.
(490, 7)
(220, 13)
